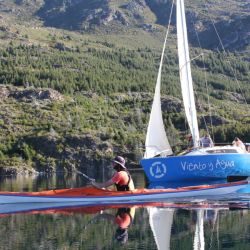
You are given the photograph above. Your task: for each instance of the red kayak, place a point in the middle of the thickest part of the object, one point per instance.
(93, 196)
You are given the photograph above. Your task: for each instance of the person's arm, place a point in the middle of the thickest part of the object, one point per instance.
(102, 185)
(211, 142)
(106, 216)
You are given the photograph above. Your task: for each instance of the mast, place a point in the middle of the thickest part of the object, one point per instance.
(185, 72)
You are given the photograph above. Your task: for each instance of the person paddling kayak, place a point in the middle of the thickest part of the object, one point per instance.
(122, 179)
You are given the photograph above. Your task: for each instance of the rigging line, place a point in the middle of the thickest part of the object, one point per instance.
(166, 37)
(168, 64)
(165, 42)
(187, 62)
(217, 233)
(223, 48)
(168, 29)
(206, 85)
(202, 55)
(213, 228)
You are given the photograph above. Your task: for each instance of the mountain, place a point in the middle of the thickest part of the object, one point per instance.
(230, 18)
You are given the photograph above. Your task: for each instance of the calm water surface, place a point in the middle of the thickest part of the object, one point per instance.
(189, 225)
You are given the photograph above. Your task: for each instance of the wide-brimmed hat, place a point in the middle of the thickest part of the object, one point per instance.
(119, 160)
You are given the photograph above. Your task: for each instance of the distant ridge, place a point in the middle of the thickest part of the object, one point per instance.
(230, 17)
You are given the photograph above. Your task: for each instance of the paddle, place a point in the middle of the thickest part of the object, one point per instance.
(84, 175)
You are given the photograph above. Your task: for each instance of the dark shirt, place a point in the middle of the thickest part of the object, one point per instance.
(206, 142)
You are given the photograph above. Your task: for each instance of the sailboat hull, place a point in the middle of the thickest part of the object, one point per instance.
(196, 167)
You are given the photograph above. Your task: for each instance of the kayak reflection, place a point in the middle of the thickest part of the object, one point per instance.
(78, 208)
(164, 219)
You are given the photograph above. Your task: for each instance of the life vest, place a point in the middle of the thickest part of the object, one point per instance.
(123, 217)
(124, 187)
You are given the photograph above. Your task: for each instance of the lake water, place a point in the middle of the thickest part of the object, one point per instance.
(200, 225)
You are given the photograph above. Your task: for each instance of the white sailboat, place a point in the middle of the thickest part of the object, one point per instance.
(201, 163)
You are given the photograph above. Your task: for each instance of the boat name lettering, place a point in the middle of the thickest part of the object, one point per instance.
(224, 164)
(219, 164)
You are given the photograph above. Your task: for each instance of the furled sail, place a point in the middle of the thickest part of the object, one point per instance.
(156, 139)
(185, 72)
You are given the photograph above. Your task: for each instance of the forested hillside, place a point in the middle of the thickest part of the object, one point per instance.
(77, 78)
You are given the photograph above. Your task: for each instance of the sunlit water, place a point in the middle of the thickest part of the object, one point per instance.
(185, 225)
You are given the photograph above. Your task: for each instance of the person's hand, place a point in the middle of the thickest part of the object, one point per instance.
(94, 184)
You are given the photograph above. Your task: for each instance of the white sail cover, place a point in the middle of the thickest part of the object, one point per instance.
(185, 72)
(160, 220)
(156, 139)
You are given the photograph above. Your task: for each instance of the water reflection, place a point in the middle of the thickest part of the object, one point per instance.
(168, 234)
(123, 219)
(22, 183)
(172, 225)
(41, 182)
(160, 220)
(199, 241)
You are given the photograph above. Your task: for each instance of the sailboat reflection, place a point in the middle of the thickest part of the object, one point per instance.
(199, 240)
(160, 220)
